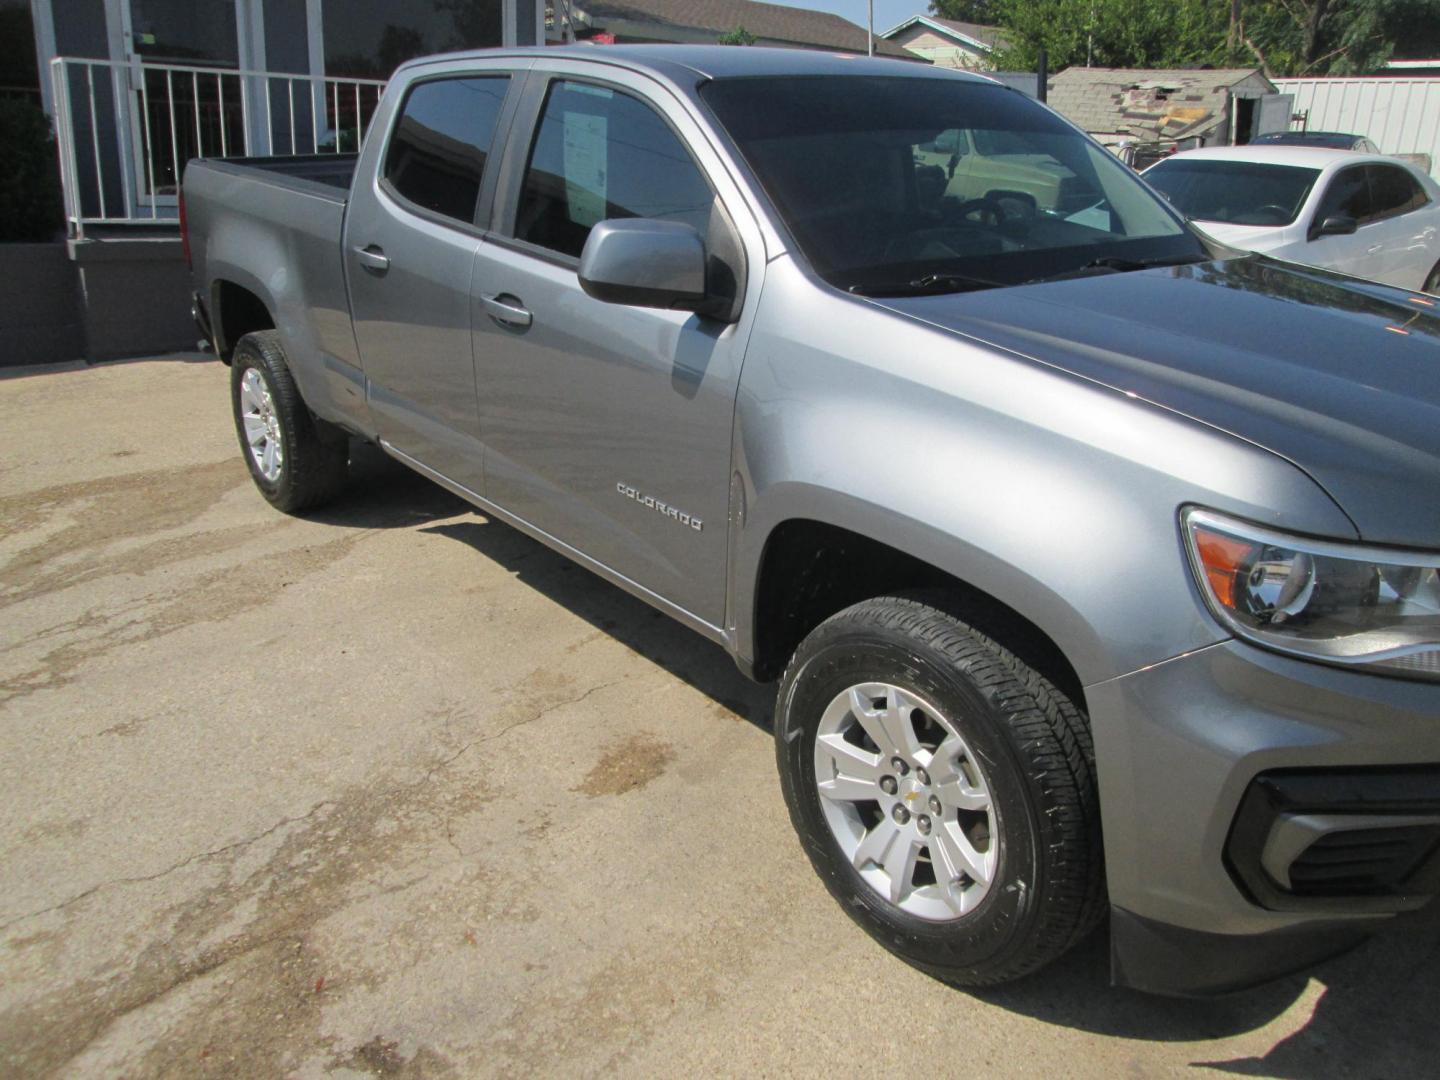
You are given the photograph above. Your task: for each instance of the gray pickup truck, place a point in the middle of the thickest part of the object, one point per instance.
(1099, 569)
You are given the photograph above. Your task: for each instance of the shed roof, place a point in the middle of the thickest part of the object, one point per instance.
(1149, 103)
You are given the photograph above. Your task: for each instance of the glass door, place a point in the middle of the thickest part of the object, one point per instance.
(187, 96)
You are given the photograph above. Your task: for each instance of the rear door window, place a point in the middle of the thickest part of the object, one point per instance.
(600, 153)
(437, 152)
(1394, 191)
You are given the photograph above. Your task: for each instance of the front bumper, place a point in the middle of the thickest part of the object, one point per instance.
(1231, 781)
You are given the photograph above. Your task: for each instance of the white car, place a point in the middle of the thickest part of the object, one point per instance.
(1361, 214)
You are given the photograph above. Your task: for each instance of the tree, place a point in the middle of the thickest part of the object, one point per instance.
(1286, 37)
(738, 36)
(984, 12)
(1338, 37)
(30, 207)
(1113, 33)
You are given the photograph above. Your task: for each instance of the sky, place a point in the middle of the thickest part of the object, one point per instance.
(887, 12)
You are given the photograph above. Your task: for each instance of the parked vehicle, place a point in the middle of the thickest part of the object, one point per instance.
(1051, 528)
(1368, 216)
(1331, 140)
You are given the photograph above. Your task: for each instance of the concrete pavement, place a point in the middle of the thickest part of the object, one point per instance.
(395, 791)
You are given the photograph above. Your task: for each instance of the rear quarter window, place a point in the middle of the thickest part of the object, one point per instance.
(1393, 191)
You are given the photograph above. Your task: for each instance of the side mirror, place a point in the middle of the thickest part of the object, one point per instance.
(645, 262)
(1335, 225)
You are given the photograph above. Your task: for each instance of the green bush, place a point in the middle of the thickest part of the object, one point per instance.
(30, 207)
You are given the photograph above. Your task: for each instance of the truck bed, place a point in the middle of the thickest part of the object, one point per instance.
(331, 173)
(272, 226)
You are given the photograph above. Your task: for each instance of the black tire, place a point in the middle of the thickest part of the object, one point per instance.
(1047, 891)
(315, 454)
(1432, 283)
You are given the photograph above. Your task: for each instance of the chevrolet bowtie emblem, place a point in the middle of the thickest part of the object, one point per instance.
(911, 796)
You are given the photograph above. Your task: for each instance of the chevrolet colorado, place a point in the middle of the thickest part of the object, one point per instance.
(1099, 568)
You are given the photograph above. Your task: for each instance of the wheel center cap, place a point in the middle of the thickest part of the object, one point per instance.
(911, 794)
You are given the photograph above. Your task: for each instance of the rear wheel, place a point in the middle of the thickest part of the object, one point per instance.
(298, 461)
(943, 790)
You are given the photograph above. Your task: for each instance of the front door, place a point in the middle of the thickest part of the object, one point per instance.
(607, 426)
(1358, 253)
(410, 242)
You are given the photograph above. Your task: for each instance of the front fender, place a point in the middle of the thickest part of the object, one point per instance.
(1057, 496)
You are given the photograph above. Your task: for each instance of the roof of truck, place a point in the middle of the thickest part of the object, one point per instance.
(719, 61)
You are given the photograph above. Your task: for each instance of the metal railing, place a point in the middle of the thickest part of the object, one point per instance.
(125, 130)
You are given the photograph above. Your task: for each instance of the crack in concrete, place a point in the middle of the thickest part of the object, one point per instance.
(199, 856)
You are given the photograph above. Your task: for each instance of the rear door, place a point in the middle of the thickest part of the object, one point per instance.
(411, 235)
(608, 427)
(1406, 233)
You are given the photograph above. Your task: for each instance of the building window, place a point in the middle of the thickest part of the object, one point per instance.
(369, 39)
(185, 32)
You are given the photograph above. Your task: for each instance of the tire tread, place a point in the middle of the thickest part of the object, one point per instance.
(317, 452)
(1052, 737)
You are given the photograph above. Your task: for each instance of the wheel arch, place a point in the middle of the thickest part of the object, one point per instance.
(237, 309)
(807, 567)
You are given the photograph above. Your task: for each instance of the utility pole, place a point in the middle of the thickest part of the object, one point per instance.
(869, 27)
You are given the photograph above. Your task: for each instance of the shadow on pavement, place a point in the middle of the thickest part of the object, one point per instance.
(385, 494)
(1378, 1015)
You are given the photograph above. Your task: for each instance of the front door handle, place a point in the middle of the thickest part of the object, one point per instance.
(373, 257)
(507, 309)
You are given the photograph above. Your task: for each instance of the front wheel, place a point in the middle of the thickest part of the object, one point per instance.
(943, 790)
(298, 461)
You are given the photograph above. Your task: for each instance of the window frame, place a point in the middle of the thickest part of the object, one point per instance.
(1319, 215)
(479, 224)
(525, 133)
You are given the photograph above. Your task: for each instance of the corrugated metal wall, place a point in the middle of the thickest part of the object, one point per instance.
(1400, 116)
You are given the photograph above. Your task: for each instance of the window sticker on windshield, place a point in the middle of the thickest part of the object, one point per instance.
(585, 190)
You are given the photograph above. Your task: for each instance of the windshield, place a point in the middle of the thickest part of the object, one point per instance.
(1234, 192)
(896, 183)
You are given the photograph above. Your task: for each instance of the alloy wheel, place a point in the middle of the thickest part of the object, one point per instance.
(262, 425)
(906, 800)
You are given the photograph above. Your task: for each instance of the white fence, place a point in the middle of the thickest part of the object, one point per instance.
(124, 131)
(1400, 116)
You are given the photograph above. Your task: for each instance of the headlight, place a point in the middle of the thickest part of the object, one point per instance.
(1340, 603)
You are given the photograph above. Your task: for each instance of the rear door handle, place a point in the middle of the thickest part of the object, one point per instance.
(373, 257)
(507, 309)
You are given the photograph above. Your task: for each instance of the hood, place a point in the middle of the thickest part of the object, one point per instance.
(1341, 378)
(1244, 237)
